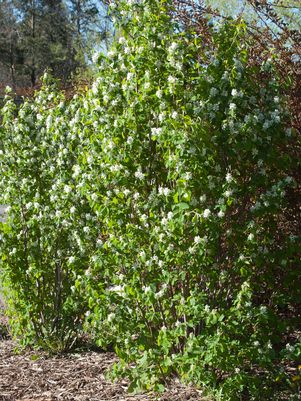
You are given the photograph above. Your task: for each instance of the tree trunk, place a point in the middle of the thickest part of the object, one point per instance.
(33, 35)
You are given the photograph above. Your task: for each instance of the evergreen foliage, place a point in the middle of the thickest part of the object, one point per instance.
(36, 35)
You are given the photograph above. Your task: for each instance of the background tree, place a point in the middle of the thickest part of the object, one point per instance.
(9, 54)
(90, 25)
(56, 34)
(45, 38)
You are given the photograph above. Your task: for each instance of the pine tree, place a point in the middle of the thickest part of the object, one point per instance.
(90, 25)
(9, 53)
(57, 34)
(45, 38)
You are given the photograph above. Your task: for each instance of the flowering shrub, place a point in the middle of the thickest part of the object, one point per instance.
(155, 205)
(45, 242)
(188, 166)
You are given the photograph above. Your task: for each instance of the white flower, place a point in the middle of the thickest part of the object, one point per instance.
(95, 88)
(163, 191)
(289, 347)
(206, 213)
(86, 230)
(76, 170)
(90, 159)
(129, 76)
(122, 40)
(161, 117)
(203, 198)
(173, 47)
(159, 94)
(288, 179)
(174, 115)
(94, 197)
(229, 178)
(172, 80)
(139, 175)
(164, 221)
(211, 184)
(115, 167)
(156, 132)
(228, 193)
(250, 237)
(72, 209)
(166, 191)
(129, 140)
(111, 317)
(58, 213)
(220, 214)
(67, 189)
(234, 92)
(169, 215)
(119, 289)
(256, 343)
(232, 106)
(147, 289)
(237, 370)
(111, 54)
(266, 125)
(213, 91)
(159, 294)
(71, 259)
(95, 57)
(143, 217)
(197, 239)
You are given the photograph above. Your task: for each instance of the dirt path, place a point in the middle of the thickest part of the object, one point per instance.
(78, 377)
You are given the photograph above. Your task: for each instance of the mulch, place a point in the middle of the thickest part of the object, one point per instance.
(36, 376)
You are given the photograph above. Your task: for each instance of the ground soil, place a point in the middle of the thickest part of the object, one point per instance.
(35, 376)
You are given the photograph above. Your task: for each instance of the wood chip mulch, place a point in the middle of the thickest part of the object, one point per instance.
(34, 376)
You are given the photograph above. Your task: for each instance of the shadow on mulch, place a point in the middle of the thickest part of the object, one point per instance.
(4, 332)
(34, 376)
